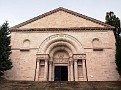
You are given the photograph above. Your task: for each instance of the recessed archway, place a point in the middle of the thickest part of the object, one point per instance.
(60, 54)
(60, 51)
(66, 39)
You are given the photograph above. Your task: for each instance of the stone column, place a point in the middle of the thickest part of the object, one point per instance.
(50, 70)
(76, 70)
(37, 70)
(71, 66)
(72, 74)
(84, 69)
(46, 70)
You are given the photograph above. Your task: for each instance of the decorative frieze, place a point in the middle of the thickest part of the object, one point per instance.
(43, 56)
(79, 56)
(61, 60)
(62, 29)
(63, 36)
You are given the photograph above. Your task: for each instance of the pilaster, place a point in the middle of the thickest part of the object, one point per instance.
(50, 70)
(71, 71)
(37, 70)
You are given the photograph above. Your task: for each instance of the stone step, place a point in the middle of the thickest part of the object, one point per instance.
(59, 85)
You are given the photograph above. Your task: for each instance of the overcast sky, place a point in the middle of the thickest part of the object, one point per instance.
(17, 11)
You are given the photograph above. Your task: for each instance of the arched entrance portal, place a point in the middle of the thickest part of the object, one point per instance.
(60, 58)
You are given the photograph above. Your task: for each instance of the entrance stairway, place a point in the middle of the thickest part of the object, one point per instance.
(59, 85)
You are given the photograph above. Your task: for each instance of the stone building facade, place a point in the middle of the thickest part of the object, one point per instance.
(62, 45)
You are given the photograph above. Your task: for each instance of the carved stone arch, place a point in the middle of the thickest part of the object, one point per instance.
(70, 53)
(60, 37)
(62, 41)
(61, 44)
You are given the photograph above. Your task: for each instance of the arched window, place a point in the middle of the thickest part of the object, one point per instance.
(96, 43)
(25, 45)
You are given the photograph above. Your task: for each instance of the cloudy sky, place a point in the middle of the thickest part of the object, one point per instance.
(17, 11)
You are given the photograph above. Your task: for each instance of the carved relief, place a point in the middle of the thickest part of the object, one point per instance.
(43, 56)
(61, 57)
(79, 56)
(61, 60)
(61, 54)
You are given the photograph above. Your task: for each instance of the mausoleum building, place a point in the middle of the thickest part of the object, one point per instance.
(63, 45)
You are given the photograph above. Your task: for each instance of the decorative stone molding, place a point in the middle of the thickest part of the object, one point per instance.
(70, 59)
(43, 56)
(59, 36)
(68, 40)
(79, 56)
(61, 60)
(62, 29)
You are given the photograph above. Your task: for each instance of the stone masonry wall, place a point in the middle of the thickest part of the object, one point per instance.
(100, 64)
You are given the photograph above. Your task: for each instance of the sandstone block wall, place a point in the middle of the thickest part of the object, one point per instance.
(100, 64)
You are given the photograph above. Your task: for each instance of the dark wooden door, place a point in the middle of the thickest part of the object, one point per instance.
(61, 73)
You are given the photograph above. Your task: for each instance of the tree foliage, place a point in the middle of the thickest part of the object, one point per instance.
(5, 49)
(111, 19)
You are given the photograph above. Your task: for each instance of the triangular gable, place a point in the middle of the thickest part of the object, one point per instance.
(61, 18)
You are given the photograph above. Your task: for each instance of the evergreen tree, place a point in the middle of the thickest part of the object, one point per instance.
(111, 19)
(118, 55)
(5, 49)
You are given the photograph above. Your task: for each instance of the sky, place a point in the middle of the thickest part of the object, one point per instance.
(18, 11)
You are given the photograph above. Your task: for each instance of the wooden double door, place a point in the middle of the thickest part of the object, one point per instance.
(61, 73)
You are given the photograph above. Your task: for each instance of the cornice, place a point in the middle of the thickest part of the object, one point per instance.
(62, 29)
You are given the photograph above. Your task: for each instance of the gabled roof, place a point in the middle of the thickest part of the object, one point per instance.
(65, 10)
